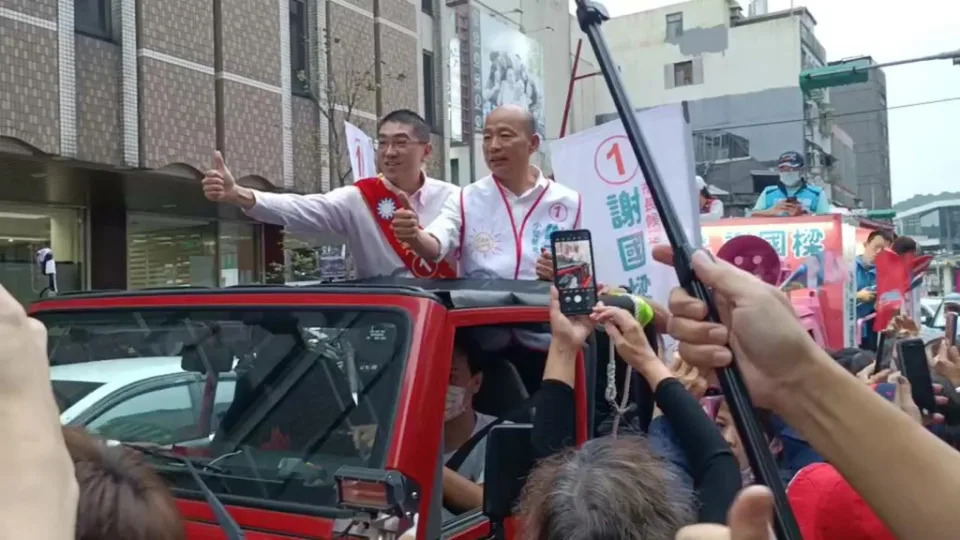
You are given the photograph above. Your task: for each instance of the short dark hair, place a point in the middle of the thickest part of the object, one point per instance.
(903, 245)
(884, 233)
(464, 345)
(853, 360)
(407, 117)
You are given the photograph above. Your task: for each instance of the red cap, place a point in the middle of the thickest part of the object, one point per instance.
(827, 507)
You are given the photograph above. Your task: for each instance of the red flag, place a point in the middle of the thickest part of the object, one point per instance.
(893, 282)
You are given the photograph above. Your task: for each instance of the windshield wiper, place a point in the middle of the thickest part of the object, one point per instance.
(170, 456)
(229, 525)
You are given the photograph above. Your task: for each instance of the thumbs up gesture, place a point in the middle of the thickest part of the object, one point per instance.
(406, 223)
(218, 183)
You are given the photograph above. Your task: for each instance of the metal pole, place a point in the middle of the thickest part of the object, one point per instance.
(573, 79)
(591, 16)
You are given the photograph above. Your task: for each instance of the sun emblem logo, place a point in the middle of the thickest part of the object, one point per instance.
(386, 208)
(485, 244)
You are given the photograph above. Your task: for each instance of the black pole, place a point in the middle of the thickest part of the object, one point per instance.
(591, 16)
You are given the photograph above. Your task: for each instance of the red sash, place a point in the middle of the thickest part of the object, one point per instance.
(382, 203)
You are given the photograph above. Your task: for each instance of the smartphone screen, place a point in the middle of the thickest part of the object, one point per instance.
(913, 359)
(792, 200)
(950, 331)
(885, 345)
(573, 271)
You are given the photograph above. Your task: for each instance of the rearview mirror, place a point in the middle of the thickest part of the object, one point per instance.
(509, 459)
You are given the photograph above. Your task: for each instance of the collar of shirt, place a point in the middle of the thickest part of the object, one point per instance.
(419, 197)
(540, 185)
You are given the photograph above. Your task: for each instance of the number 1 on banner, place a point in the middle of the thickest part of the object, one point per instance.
(359, 162)
(614, 154)
(611, 164)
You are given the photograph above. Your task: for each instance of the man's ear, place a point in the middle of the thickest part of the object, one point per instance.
(427, 152)
(534, 143)
(476, 382)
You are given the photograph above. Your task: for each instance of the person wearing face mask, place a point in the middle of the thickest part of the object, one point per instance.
(463, 487)
(725, 423)
(792, 195)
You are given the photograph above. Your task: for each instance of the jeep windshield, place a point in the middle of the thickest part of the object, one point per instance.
(279, 398)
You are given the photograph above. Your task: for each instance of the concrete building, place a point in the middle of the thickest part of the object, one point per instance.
(935, 225)
(842, 180)
(110, 110)
(739, 75)
(861, 110)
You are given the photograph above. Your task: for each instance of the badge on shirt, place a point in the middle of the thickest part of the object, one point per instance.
(386, 208)
(558, 212)
(485, 243)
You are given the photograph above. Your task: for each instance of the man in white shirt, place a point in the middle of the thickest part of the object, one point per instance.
(501, 224)
(362, 212)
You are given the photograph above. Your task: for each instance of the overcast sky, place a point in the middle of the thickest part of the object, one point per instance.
(924, 145)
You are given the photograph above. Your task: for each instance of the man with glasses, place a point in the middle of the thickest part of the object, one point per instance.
(792, 195)
(362, 212)
(501, 224)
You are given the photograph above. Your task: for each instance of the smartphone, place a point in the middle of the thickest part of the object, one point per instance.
(951, 329)
(885, 345)
(574, 273)
(792, 200)
(913, 359)
(711, 405)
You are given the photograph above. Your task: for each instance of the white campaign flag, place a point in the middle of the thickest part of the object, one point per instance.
(363, 159)
(617, 205)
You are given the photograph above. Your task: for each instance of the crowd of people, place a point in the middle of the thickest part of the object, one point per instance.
(842, 432)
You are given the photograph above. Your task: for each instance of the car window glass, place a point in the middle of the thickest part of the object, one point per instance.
(68, 393)
(157, 416)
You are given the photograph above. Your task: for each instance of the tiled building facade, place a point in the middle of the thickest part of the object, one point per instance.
(110, 110)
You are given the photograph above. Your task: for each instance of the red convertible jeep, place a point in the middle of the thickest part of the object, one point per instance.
(312, 412)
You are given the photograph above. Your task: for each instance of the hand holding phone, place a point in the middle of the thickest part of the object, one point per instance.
(885, 345)
(574, 273)
(950, 331)
(913, 360)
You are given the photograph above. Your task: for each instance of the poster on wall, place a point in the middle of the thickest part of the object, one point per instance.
(508, 69)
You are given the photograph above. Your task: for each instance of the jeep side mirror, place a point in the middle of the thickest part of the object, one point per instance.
(509, 459)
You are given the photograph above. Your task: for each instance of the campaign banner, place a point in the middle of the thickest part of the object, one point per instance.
(363, 158)
(618, 207)
(795, 239)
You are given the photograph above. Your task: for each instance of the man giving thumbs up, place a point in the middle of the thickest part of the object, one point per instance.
(364, 211)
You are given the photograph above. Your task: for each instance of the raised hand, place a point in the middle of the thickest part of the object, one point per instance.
(758, 323)
(218, 183)
(545, 265)
(406, 222)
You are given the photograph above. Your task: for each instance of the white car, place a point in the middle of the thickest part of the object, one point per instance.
(150, 399)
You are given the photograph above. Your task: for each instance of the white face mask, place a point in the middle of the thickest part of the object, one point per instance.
(790, 178)
(455, 402)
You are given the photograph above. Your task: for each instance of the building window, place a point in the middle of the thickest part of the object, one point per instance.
(683, 73)
(299, 51)
(455, 171)
(426, 6)
(93, 18)
(674, 25)
(429, 101)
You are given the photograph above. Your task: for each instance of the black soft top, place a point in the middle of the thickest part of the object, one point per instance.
(453, 293)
